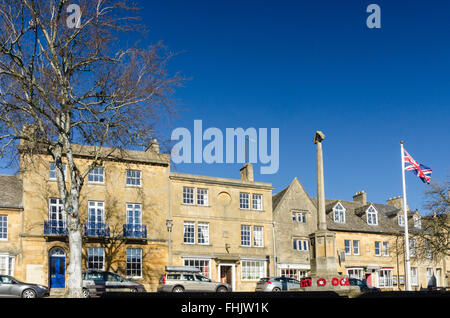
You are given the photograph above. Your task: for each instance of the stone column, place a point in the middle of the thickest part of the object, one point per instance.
(321, 218)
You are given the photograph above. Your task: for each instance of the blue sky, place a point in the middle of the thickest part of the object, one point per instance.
(303, 66)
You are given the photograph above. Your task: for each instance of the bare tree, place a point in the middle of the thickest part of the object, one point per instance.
(436, 226)
(67, 80)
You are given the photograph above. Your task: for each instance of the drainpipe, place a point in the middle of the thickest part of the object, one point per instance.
(274, 249)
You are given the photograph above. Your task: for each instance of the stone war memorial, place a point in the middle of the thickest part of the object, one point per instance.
(324, 275)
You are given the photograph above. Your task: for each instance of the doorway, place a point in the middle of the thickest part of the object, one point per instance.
(227, 274)
(57, 268)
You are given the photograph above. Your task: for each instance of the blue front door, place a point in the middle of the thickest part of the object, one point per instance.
(57, 272)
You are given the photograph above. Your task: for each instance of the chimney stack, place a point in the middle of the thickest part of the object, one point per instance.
(154, 146)
(396, 202)
(360, 197)
(247, 173)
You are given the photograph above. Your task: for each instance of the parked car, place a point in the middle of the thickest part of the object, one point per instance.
(276, 284)
(179, 279)
(11, 287)
(362, 284)
(96, 282)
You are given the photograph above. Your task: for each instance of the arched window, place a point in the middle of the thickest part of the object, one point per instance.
(339, 213)
(57, 252)
(372, 216)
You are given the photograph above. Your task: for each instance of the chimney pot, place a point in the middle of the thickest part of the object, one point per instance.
(154, 146)
(247, 173)
(361, 197)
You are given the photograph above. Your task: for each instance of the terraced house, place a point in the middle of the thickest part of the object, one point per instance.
(129, 207)
(123, 208)
(223, 226)
(369, 239)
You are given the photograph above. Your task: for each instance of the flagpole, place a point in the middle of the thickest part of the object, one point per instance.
(405, 214)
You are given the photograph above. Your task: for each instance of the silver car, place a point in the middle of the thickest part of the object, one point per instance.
(11, 287)
(96, 282)
(276, 284)
(180, 279)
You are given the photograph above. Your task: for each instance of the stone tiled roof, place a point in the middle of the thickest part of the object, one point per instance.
(355, 216)
(121, 154)
(10, 192)
(276, 198)
(356, 221)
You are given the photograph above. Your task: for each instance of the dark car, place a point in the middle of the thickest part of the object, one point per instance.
(362, 284)
(96, 282)
(11, 287)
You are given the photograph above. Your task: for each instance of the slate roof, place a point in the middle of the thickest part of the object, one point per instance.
(10, 192)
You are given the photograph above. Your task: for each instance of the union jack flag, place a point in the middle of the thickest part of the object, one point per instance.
(423, 172)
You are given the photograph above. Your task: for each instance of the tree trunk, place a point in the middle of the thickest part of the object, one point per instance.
(74, 281)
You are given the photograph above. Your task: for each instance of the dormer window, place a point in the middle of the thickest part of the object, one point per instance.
(401, 220)
(417, 222)
(372, 216)
(339, 213)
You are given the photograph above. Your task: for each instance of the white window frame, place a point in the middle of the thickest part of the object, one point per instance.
(244, 200)
(417, 222)
(300, 245)
(412, 247)
(187, 233)
(401, 219)
(246, 238)
(385, 281)
(258, 236)
(357, 246)
(94, 252)
(203, 229)
(60, 216)
(257, 202)
(7, 264)
(132, 208)
(98, 208)
(97, 175)
(372, 216)
(4, 227)
(349, 247)
(202, 197)
(202, 264)
(188, 195)
(355, 272)
(133, 178)
(377, 250)
(52, 171)
(253, 270)
(339, 213)
(129, 249)
(299, 217)
(414, 276)
(294, 273)
(385, 248)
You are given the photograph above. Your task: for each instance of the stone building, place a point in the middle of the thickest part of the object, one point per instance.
(369, 239)
(295, 218)
(11, 211)
(123, 207)
(223, 226)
